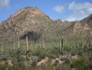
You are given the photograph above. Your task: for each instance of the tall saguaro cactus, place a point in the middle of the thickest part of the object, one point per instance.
(27, 45)
(18, 43)
(61, 43)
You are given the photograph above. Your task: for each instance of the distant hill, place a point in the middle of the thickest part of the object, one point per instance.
(83, 27)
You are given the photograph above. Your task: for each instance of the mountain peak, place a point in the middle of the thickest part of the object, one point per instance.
(31, 10)
(27, 21)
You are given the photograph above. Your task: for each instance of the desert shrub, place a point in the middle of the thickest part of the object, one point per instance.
(79, 63)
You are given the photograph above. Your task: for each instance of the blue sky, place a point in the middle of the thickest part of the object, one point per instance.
(70, 10)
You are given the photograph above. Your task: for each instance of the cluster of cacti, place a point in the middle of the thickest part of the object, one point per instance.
(26, 56)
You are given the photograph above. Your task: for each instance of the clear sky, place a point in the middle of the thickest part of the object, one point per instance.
(56, 9)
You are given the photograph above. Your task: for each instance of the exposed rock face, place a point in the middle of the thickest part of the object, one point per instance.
(86, 27)
(78, 28)
(82, 28)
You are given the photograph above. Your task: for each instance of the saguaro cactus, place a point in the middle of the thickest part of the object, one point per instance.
(18, 43)
(27, 45)
(61, 43)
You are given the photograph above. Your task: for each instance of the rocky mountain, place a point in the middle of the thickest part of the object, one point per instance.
(29, 21)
